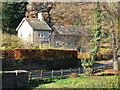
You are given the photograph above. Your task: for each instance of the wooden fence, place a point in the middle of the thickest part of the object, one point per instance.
(52, 73)
(46, 74)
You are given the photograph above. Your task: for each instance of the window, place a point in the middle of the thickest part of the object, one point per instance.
(40, 35)
(58, 44)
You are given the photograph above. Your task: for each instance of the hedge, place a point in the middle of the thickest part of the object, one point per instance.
(47, 54)
(50, 58)
(6, 54)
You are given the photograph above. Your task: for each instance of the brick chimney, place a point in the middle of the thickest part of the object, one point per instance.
(40, 17)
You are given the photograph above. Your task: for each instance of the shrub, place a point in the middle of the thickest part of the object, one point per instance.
(50, 58)
(82, 55)
(104, 53)
(45, 54)
(6, 54)
(11, 42)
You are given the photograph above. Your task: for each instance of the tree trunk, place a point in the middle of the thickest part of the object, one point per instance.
(115, 61)
(49, 17)
(115, 50)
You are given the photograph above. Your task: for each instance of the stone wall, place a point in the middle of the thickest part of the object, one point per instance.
(15, 79)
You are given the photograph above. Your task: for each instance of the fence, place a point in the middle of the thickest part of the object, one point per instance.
(103, 67)
(46, 74)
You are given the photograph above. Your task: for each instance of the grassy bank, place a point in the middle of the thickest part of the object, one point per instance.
(79, 82)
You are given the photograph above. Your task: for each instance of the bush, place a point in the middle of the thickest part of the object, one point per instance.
(6, 54)
(104, 53)
(45, 54)
(11, 42)
(45, 58)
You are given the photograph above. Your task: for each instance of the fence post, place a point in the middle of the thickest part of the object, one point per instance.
(30, 75)
(70, 70)
(16, 77)
(78, 70)
(61, 72)
(41, 74)
(52, 73)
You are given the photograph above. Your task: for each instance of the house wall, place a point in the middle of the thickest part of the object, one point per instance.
(41, 37)
(25, 32)
(66, 41)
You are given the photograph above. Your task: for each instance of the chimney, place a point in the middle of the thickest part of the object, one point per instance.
(40, 17)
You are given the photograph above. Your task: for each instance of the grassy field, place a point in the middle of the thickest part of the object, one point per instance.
(79, 82)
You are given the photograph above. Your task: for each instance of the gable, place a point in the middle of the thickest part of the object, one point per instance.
(35, 24)
(23, 24)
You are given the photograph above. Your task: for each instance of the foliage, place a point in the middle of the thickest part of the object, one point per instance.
(111, 18)
(41, 58)
(88, 62)
(79, 23)
(45, 54)
(97, 33)
(12, 14)
(6, 54)
(79, 82)
(11, 42)
(103, 54)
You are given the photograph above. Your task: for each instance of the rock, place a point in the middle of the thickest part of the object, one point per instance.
(73, 75)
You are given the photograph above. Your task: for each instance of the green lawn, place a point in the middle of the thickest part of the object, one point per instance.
(79, 82)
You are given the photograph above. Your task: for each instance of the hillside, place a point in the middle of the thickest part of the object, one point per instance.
(65, 13)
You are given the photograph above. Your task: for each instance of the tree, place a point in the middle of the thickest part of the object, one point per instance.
(12, 14)
(11, 42)
(33, 8)
(111, 16)
(88, 63)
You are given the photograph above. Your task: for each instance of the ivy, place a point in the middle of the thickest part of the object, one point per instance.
(89, 62)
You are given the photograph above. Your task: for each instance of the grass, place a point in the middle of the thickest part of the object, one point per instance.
(79, 82)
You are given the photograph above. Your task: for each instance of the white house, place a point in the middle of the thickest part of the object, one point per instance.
(34, 30)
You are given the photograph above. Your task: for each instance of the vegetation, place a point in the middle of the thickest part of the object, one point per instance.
(12, 14)
(46, 59)
(10, 42)
(79, 82)
(87, 63)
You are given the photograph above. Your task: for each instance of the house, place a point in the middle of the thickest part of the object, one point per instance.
(38, 32)
(69, 36)
(34, 30)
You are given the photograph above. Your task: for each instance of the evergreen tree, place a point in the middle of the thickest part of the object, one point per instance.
(12, 14)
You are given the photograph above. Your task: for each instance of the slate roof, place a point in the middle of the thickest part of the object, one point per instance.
(36, 24)
(71, 29)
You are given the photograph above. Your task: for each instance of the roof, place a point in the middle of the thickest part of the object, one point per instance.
(36, 24)
(71, 29)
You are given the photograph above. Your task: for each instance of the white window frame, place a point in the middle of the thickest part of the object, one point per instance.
(40, 35)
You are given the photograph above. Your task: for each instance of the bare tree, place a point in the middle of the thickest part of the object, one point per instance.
(34, 7)
(111, 15)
